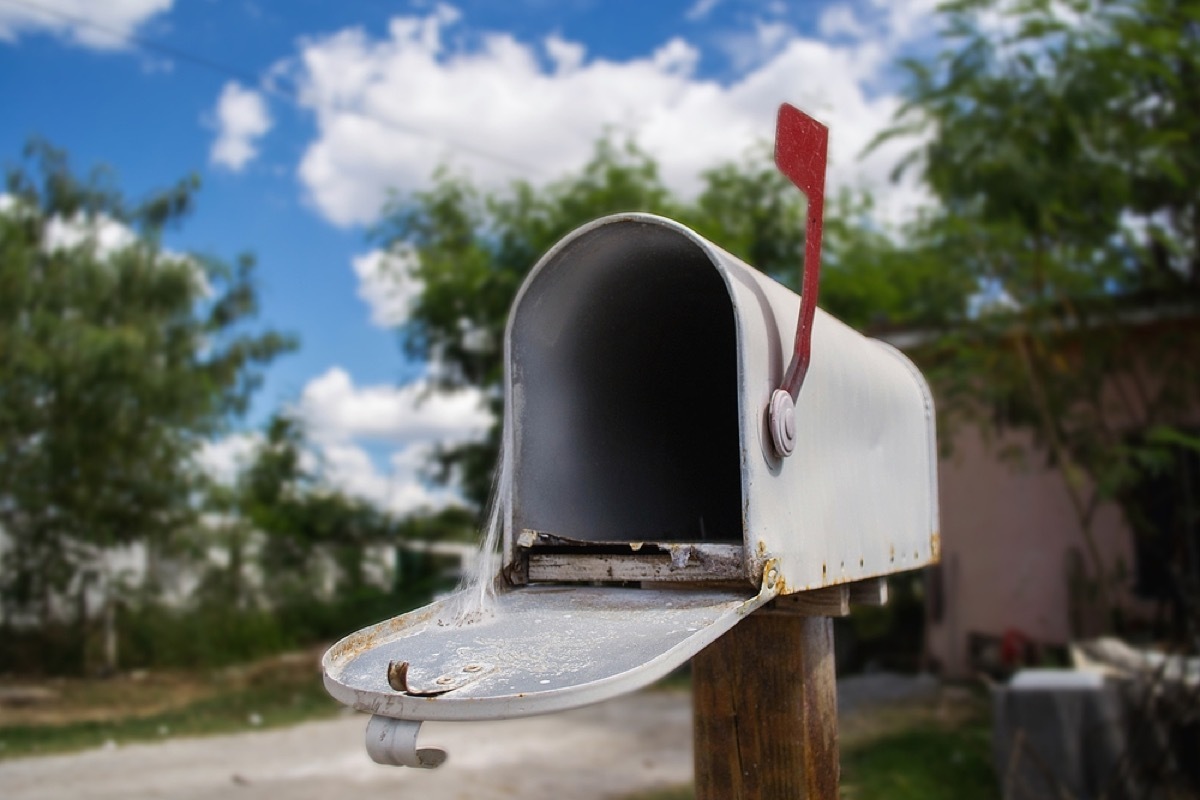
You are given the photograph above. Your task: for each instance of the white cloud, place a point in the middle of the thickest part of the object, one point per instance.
(387, 285)
(840, 20)
(992, 298)
(224, 458)
(335, 409)
(104, 233)
(98, 231)
(399, 488)
(566, 55)
(103, 25)
(103, 236)
(749, 49)
(389, 109)
(410, 421)
(348, 426)
(242, 120)
(701, 9)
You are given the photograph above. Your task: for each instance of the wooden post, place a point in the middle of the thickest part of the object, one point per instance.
(765, 703)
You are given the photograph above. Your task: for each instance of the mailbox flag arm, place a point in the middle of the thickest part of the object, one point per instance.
(801, 154)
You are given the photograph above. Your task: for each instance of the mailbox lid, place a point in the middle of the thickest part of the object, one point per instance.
(541, 649)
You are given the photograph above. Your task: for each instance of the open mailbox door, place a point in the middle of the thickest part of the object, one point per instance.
(646, 508)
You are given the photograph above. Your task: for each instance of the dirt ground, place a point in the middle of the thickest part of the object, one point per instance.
(633, 743)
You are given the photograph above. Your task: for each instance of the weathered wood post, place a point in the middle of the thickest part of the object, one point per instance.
(764, 698)
(765, 705)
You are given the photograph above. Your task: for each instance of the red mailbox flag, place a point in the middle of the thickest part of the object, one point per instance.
(801, 153)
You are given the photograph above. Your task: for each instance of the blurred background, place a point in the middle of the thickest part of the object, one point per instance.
(256, 259)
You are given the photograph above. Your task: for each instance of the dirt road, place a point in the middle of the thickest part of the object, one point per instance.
(634, 742)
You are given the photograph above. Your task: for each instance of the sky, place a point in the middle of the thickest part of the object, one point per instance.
(301, 117)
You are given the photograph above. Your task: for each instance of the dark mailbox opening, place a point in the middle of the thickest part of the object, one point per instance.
(624, 392)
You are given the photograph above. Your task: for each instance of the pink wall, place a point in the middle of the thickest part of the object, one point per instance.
(1006, 532)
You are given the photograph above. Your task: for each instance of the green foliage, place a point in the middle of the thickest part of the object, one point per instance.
(923, 760)
(117, 361)
(279, 697)
(750, 209)
(299, 516)
(889, 637)
(933, 761)
(210, 635)
(1064, 151)
(297, 562)
(216, 633)
(1064, 148)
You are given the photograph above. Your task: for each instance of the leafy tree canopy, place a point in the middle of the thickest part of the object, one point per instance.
(1063, 143)
(117, 358)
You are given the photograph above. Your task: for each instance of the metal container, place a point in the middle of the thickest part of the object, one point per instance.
(641, 362)
(644, 508)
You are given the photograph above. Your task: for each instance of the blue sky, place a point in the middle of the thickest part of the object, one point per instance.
(308, 113)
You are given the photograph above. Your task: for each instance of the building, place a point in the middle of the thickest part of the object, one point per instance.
(1015, 584)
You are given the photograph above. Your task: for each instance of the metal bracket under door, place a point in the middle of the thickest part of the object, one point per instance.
(394, 742)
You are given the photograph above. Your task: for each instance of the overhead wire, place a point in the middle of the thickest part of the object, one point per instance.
(248, 77)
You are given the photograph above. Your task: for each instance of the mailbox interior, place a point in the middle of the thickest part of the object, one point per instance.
(623, 359)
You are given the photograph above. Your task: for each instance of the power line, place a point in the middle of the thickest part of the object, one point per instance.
(250, 78)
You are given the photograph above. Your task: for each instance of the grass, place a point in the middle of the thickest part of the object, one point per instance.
(85, 714)
(929, 761)
(906, 753)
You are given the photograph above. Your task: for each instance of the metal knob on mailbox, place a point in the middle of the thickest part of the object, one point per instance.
(647, 507)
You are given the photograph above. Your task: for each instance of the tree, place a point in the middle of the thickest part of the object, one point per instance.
(470, 251)
(300, 548)
(117, 359)
(1064, 150)
(277, 517)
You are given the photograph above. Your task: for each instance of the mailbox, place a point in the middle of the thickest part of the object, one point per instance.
(644, 501)
(641, 361)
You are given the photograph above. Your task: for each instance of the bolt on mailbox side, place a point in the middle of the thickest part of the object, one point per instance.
(640, 360)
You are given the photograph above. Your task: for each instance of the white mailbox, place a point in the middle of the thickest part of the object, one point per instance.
(641, 364)
(644, 502)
